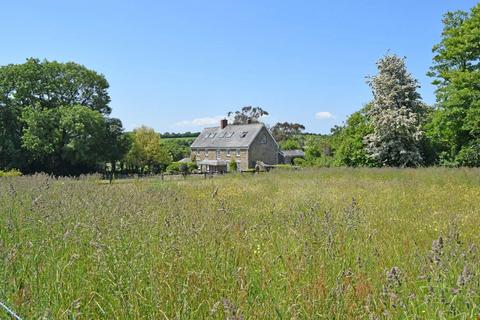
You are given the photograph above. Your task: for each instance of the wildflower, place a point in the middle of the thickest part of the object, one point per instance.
(437, 247)
(465, 277)
(394, 277)
(231, 311)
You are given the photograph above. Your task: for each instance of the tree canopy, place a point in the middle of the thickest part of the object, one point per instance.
(54, 118)
(146, 153)
(247, 114)
(455, 125)
(284, 130)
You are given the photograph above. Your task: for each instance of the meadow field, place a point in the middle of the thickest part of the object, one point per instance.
(311, 244)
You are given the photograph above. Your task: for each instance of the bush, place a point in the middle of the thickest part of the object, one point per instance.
(181, 167)
(290, 144)
(469, 156)
(320, 162)
(233, 166)
(10, 173)
(299, 162)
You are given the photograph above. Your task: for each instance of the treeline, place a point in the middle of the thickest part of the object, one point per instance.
(187, 134)
(396, 128)
(55, 118)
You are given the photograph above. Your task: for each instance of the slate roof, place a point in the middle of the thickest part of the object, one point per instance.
(293, 153)
(232, 136)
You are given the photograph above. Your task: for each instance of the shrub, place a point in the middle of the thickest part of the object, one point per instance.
(290, 144)
(469, 156)
(10, 173)
(233, 166)
(181, 167)
(299, 161)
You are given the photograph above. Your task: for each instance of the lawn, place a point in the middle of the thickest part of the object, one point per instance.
(322, 244)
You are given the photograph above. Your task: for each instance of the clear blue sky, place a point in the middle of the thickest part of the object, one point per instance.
(176, 65)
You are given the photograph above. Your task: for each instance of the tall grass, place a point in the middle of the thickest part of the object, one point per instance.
(323, 244)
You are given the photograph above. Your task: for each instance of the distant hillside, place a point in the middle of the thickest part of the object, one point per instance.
(187, 134)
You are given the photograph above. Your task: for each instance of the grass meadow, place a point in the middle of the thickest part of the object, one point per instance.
(311, 244)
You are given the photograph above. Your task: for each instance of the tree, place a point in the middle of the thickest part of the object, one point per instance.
(455, 125)
(115, 143)
(247, 114)
(29, 89)
(396, 115)
(284, 130)
(146, 152)
(65, 140)
(177, 148)
(290, 144)
(351, 149)
(318, 146)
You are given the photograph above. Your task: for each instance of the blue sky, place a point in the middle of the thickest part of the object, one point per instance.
(180, 65)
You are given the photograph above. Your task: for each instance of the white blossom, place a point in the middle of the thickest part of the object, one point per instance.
(396, 115)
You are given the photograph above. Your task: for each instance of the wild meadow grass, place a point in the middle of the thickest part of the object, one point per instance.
(311, 244)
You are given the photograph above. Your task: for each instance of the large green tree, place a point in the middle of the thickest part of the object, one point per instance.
(64, 140)
(50, 115)
(351, 140)
(146, 153)
(455, 125)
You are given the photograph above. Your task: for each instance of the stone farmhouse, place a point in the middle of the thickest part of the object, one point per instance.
(216, 147)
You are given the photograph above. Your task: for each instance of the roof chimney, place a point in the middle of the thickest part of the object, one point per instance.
(223, 123)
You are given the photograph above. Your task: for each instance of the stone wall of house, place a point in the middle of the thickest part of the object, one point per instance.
(266, 152)
(212, 155)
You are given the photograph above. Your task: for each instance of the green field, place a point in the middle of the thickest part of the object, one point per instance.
(319, 244)
(183, 139)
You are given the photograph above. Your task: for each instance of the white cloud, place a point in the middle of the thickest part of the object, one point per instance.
(321, 115)
(200, 122)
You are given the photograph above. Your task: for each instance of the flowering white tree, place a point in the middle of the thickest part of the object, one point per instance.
(396, 115)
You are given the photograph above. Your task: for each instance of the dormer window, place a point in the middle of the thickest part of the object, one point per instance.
(229, 135)
(244, 134)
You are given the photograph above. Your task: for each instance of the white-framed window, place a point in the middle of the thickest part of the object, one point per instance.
(263, 139)
(206, 152)
(228, 152)
(238, 152)
(218, 153)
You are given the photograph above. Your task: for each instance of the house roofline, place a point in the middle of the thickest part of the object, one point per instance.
(264, 127)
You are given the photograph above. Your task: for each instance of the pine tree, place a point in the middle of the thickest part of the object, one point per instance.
(396, 115)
